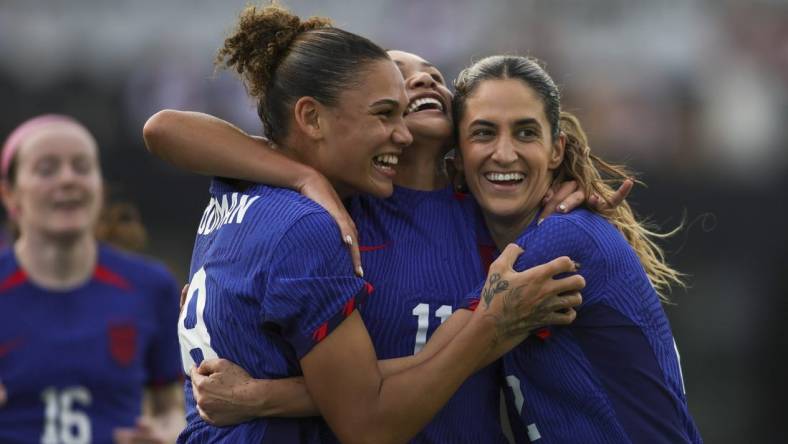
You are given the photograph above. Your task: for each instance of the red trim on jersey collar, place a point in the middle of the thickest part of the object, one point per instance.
(107, 276)
(16, 278)
(460, 196)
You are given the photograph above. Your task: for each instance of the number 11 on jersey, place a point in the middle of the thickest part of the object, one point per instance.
(422, 313)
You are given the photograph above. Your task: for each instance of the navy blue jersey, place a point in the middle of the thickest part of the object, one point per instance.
(613, 376)
(75, 362)
(270, 278)
(421, 251)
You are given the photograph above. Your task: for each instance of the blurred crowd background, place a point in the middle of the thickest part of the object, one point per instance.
(693, 95)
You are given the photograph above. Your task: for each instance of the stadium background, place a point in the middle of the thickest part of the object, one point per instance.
(692, 94)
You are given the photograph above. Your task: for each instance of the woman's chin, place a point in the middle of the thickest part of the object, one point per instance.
(430, 128)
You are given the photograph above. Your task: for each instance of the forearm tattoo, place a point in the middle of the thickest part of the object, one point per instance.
(495, 285)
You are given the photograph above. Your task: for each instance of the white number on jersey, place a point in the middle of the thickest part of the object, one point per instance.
(514, 383)
(422, 313)
(62, 423)
(195, 337)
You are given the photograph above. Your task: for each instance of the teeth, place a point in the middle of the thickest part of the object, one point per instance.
(386, 159)
(504, 177)
(423, 101)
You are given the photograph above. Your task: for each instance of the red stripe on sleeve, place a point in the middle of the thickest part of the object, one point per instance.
(321, 332)
(349, 307)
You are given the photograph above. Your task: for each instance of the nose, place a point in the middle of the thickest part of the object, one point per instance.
(401, 135)
(68, 175)
(504, 153)
(421, 80)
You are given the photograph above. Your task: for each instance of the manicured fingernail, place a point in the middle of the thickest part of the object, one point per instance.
(562, 208)
(360, 271)
(349, 239)
(539, 222)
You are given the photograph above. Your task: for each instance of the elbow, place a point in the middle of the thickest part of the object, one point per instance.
(156, 129)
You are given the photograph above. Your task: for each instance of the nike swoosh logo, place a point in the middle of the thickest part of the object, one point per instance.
(8, 346)
(365, 248)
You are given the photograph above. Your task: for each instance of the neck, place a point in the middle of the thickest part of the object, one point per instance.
(506, 230)
(57, 264)
(421, 166)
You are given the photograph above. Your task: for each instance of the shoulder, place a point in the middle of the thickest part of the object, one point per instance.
(580, 227)
(261, 213)
(559, 231)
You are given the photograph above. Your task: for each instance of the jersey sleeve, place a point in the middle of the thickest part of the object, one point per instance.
(164, 364)
(556, 236)
(311, 286)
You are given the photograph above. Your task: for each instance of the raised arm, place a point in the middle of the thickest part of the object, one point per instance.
(205, 144)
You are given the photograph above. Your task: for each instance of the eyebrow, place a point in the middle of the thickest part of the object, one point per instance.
(424, 64)
(526, 121)
(481, 122)
(386, 101)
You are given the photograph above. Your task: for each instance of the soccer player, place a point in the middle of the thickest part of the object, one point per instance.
(424, 236)
(613, 376)
(272, 285)
(85, 330)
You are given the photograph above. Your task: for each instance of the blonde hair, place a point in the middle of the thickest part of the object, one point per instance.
(596, 176)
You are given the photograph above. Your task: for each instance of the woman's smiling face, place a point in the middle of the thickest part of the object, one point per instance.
(508, 152)
(429, 100)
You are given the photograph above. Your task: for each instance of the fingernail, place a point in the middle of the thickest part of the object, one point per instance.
(539, 222)
(360, 271)
(349, 239)
(562, 208)
(577, 265)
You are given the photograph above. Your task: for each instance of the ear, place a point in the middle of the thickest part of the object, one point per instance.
(6, 192)
(456, 160)
(557, 153)
(307, 117)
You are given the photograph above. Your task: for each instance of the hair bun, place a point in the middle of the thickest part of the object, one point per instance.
(261, 41)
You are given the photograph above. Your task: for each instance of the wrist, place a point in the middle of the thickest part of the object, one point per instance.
(255, 398)
(305, 176)
(483, 327)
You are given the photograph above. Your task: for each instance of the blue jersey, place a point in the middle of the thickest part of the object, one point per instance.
(613, 376)
(270, 278)
(75, 362)
(420, 249)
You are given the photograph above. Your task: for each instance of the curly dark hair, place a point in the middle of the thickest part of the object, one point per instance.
(282, 58)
